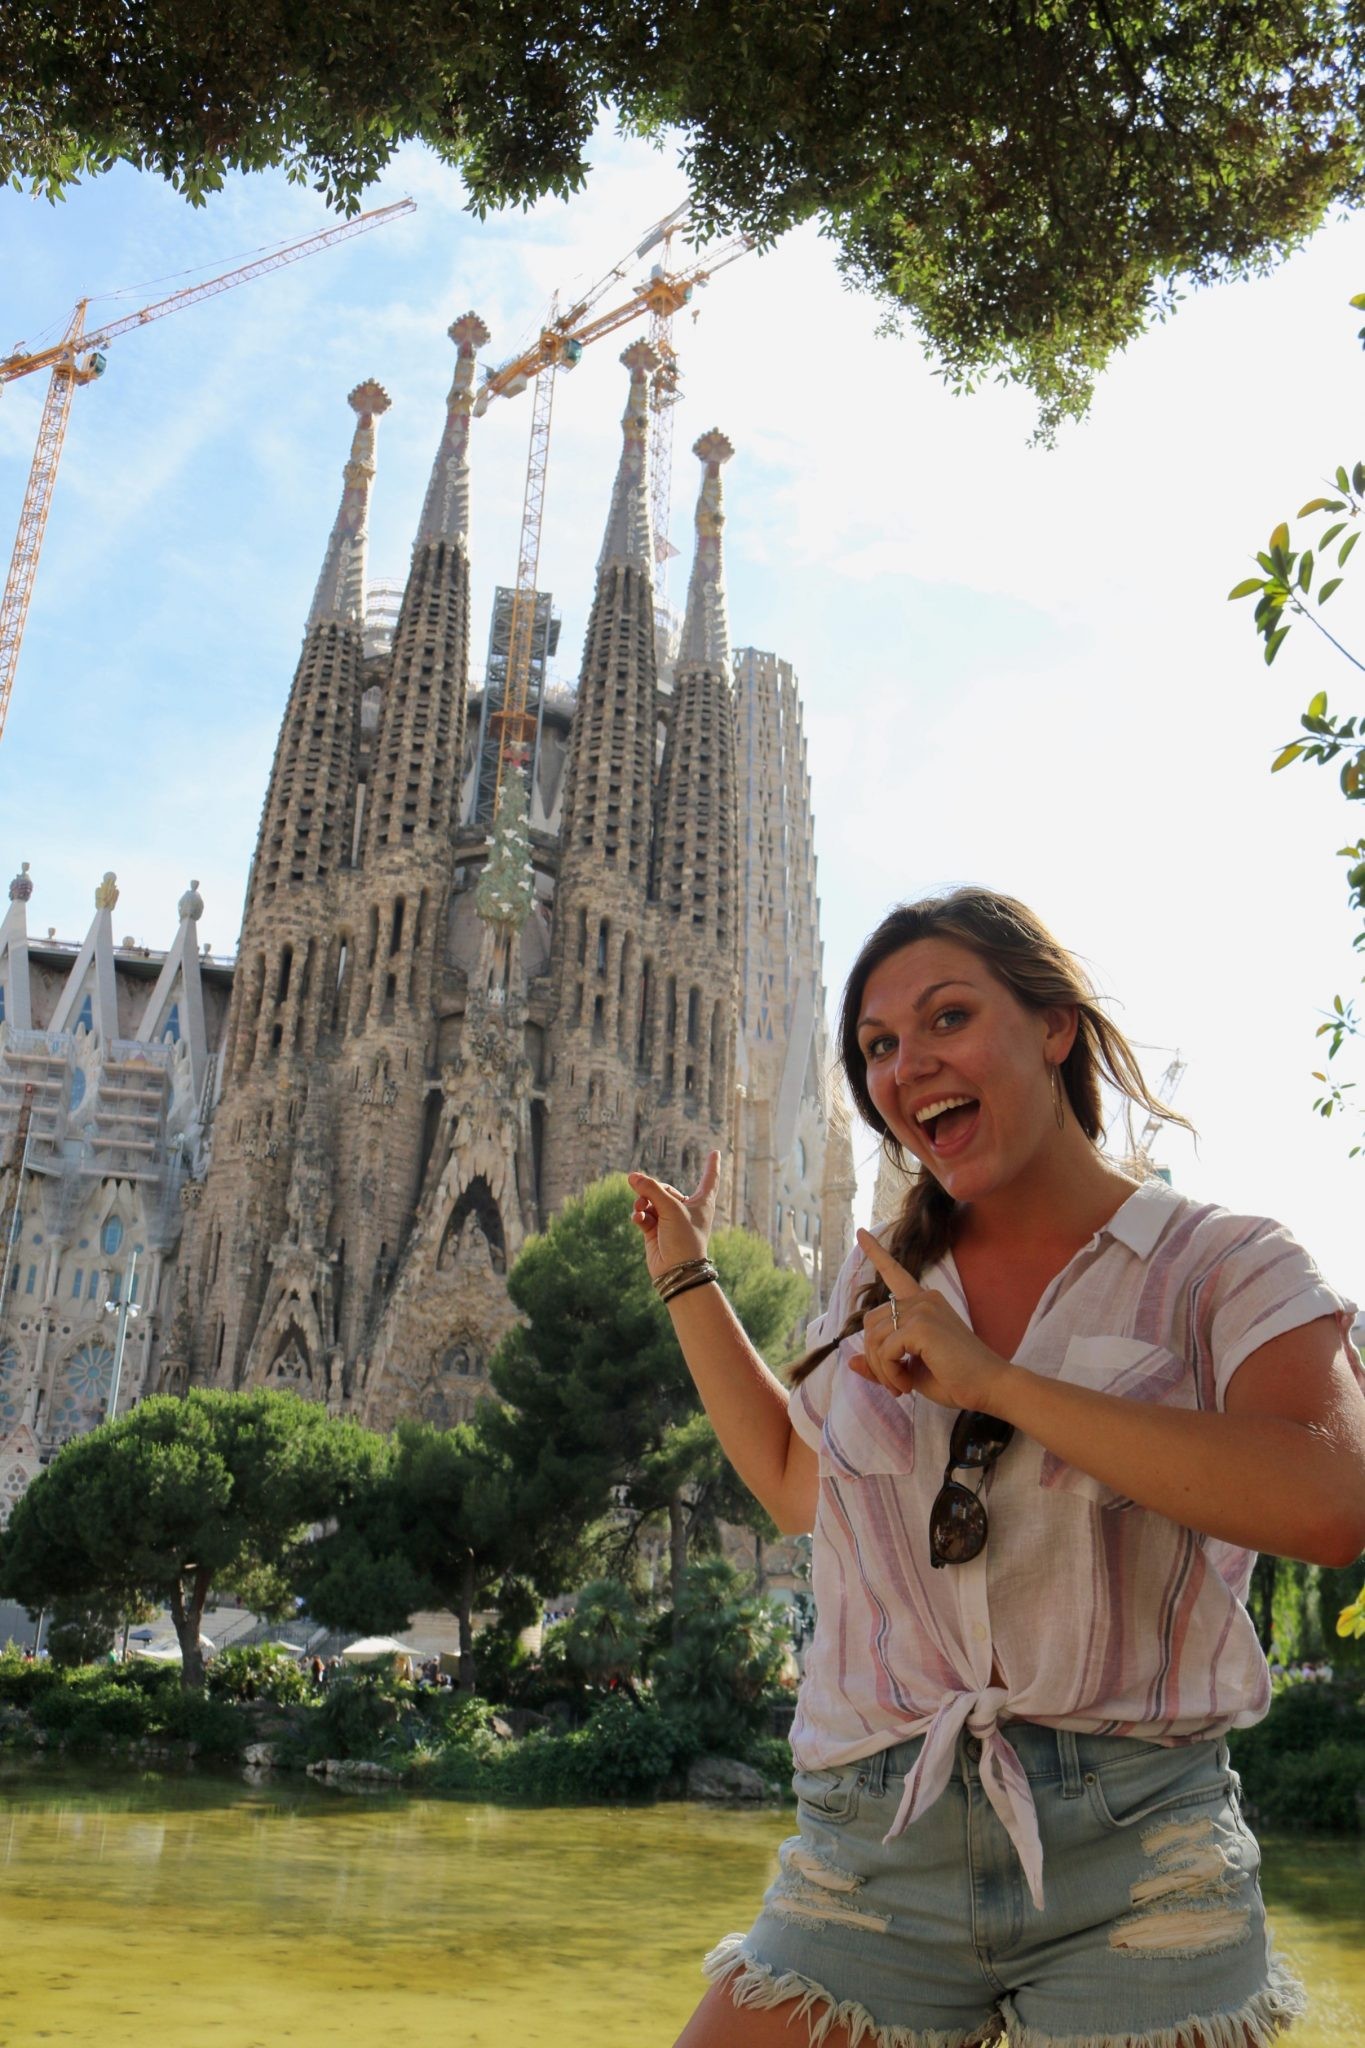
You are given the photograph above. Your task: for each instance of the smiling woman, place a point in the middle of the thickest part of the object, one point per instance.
(1048, 1418)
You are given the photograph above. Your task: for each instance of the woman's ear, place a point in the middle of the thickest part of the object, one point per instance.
(1063, 1022)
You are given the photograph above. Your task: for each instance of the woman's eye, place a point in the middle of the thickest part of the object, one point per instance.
(877, 1048)
(948, 1020)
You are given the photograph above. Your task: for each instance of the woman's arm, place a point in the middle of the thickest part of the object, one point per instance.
(746, 1404)
(1281, 1469)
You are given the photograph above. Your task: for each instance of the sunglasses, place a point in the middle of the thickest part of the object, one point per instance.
(957, 1520)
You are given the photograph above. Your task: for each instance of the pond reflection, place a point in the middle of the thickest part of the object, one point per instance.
(220, 1915)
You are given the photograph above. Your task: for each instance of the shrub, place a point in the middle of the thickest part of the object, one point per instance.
(1304, 1765)
(258, 1671)
(216, 1726)
(724, 1657)
(358, 1717)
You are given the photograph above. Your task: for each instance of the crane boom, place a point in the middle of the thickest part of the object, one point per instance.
(560, 344)
(76, 359)
(21, 363)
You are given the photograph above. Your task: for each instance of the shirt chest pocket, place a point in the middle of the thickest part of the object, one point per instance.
(867, 1430)
(1130, 1368)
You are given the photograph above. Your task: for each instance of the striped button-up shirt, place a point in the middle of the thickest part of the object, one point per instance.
(1094, 1614)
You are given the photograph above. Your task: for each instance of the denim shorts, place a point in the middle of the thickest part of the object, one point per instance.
(1152, 1934)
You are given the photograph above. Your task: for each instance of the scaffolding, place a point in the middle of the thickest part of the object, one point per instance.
(544, 639)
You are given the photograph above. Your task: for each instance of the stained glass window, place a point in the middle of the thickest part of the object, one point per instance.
(111, 1237)
(81, 1393)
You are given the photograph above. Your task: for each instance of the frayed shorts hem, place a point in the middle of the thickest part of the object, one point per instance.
(752, 1983)
(1256, 2024)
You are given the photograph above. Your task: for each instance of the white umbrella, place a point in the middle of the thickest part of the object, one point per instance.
(373, 1649)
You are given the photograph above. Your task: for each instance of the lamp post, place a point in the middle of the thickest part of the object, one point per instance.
(124, 1309)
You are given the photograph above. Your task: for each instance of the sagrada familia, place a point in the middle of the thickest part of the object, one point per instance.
(468, 982)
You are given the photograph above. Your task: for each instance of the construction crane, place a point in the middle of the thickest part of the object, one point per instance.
(78, 358)
(1139, 1161)
(560, 345)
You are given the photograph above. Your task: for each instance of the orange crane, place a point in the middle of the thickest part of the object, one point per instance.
(78, 358)
(560, 345)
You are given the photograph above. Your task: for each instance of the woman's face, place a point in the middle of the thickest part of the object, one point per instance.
(958, 1068)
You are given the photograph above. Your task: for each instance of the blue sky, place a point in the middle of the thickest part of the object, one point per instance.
(1018, 666)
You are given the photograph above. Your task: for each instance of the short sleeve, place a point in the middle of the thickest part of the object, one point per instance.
(1266, 1285)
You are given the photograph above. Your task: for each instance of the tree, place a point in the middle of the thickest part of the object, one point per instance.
(182, 1495)
(601, 1414)
(439, 1526)
(1282, 591)
(1030, 184)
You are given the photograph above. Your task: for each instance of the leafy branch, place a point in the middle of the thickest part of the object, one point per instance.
(1283, 591)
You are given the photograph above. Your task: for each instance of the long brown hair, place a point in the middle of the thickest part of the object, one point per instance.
(1041, 974)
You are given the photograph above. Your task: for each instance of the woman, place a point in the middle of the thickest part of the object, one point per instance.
(1049, 1417)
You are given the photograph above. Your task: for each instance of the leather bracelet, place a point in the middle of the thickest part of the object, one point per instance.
(679, 1272)
(702, 1280)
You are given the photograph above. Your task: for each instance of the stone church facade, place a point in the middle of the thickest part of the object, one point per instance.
(449, 1013)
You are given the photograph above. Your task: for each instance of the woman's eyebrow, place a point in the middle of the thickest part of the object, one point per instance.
(868, 1022)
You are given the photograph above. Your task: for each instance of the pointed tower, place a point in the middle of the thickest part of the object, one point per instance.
(690, 1039)
(292, 956)
(597, 964)
(400, 896)
(15, 1002)
(307, 821)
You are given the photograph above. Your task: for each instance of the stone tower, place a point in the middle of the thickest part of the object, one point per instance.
(784, 1150)
(693, 965)
(396, 935)
(604, 860)
(273, 1094)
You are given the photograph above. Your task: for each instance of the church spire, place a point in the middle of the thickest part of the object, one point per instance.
(445, 514)
(705, 642)
(629, 535)
(340, 595)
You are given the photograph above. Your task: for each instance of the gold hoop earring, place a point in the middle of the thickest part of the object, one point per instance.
(1058, 1103)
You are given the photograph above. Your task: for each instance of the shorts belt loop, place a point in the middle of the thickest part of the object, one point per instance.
(876, 1773)
(1073, 1784)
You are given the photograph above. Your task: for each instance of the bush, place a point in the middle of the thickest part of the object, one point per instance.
(359, 1717)
(80, 1634)
(216, 1726)
(726, 1651)
(1304, 1765)
(258, 1671)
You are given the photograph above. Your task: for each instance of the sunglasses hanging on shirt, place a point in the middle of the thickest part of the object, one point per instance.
(957, 1520)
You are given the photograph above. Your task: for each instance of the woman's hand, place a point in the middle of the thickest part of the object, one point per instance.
(917, 1343)
(675, 1226)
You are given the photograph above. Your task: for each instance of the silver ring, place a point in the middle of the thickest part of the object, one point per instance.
(895, 1313)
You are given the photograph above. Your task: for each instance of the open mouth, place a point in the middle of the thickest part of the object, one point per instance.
(949, 1124)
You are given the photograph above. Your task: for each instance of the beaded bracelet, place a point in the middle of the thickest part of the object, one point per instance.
(686, 1286)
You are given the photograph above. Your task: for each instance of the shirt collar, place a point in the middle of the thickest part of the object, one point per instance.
(1141, 1221)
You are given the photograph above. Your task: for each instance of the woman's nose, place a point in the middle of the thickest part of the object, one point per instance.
(912, 1064)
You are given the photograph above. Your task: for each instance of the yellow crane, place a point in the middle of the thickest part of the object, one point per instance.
(560, 345)
(78, 358)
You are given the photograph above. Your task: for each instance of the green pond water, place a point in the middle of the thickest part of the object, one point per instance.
(200, 1912)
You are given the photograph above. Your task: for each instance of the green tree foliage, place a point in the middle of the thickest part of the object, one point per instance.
(723, 1660)
(1028, 184)
(604, 1638)
(439, 1524)
(601, 1413)
(181, 1495)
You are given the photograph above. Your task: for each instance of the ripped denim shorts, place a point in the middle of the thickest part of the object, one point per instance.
(1153, 1932)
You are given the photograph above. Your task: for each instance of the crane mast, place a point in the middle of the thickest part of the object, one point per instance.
(78, 359)
(560, 345)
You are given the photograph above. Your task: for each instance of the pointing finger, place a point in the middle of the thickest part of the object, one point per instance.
(897, 1279)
